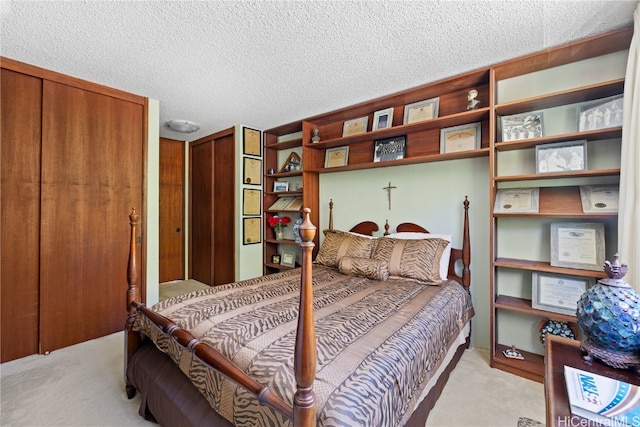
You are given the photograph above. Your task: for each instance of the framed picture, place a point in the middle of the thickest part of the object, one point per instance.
(600, 114)
(522, 126)
(251, 201)
(460, 138)
(279, 186)
(288, 258)
(252, 139)
(355, 126)
(251, 231)
(517, 200)
(292, 164)
(558, 293)
(577, 245)
(252, 171)
(389, 149)
(338, 156)
(383, 119)
(600, 198)
(419, 111)
(561, 157)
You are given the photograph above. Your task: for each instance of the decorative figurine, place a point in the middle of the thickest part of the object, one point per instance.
(316, 136)
(609, 315)
(473, 102)
(296, 229)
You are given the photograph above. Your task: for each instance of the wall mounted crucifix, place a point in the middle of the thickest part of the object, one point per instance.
(389, 188)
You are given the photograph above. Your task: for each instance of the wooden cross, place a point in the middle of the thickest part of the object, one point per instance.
(389, 188)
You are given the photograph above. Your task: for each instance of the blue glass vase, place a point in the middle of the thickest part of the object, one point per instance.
(609, 315)
(296, 229)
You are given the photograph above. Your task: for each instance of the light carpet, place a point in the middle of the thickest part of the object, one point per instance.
(83, 385)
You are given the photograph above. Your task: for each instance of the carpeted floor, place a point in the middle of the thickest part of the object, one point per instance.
(83, 385)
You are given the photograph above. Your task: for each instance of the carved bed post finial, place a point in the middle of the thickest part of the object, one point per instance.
(466, 250)
(304, 401)
(330, 214)
(132, 269)
(386, 227)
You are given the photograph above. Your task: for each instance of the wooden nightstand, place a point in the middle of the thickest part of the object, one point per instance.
(560, 352)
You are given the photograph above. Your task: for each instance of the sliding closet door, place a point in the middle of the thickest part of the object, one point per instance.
(19, 231)
(92, 174)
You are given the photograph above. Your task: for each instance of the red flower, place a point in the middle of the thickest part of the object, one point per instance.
(278, 222)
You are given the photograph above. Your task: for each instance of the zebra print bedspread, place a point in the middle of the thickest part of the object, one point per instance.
(378, 343)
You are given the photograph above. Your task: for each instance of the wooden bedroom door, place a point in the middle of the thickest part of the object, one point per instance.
(92, 174)
(171, 238)
(19, 232)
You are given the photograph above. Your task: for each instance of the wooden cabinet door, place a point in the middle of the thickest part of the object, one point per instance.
(19, 231)
(171, 210)
(92, 175)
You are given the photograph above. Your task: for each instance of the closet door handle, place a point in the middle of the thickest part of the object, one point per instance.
(178, 230)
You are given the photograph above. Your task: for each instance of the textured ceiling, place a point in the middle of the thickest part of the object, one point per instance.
(267, 63)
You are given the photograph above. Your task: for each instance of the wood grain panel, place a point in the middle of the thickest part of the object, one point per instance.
(21, 116)
(172, 168)
(201, 212)
(92, 174)
(224, 198)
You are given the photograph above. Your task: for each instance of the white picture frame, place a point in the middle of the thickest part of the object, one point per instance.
(421, 111)
(383, 119)
(522, 126)
(558, 293)
(517, 200)
(601, 198)
(579, 245)
(280, 186)
(568, 156)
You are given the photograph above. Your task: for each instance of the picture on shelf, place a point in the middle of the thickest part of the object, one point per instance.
(601, 198)
(522, 126)
(279, 186)
(566, 156)
(338, 156)
(420, 111)
(460, 138)
(558, 293)
(600, 114)
(577, 245)
(292, 164)
(288, 259)
(517, 200)
(355, 126)
(383, 119)
(389, 149)
(281, 203)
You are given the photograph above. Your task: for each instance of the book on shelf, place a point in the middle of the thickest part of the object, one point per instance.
(602, 399)
(294, 205)
(287, 204)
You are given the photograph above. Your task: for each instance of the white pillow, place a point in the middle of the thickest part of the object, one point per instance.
(444, 261)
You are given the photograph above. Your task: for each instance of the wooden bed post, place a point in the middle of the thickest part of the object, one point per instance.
(304, 400)
(466, 250)
(131, 338)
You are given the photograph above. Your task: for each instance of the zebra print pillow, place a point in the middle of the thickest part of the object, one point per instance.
(337, 244)
(366, 267)
(412, 259)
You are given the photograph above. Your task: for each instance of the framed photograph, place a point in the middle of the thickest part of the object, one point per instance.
(600, 114)
(389, 149)
(600, 198)
(419, 111)
(558, 293)
(355, 126)
(460, 138)
(577, 245)
(338, 156)
(288, 258)
(522, 126)
(517, 200)
(252, 171)
(252, 139)
(275, 259)
(251, 201)
(561, 157)
(292, 164)
(251, 231)
(383, 119)
(279, 186)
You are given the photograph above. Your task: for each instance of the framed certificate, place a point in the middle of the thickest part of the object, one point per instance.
(251, 231)
(252, 171)
(355, 126)
(577, 245)
(460, 138)
(252, 142)
(420, 111)
(600, 198)
(288, 258)
(558, 293)
(517, 200)
(338, 156)
(251, 201)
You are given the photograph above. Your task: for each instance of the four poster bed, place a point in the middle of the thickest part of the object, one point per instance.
(390, 315)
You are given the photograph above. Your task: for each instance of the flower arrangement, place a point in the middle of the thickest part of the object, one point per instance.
(278, 222)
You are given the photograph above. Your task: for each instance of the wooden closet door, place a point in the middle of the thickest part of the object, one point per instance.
(19, 231)
(201, 212)
(171, 210)
(92, 169)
